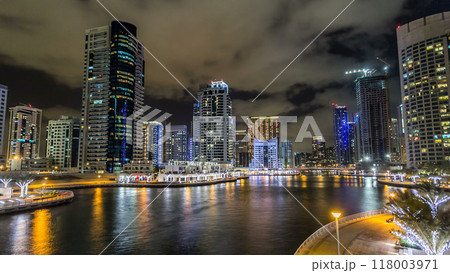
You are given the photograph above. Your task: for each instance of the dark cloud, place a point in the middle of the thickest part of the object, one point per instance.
(15, 23)
(247, 43)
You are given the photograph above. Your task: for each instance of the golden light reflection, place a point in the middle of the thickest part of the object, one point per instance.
(42, 235)
(143, 198)
(188, 198)
(97, 214)
(212, 192)
(144, 220)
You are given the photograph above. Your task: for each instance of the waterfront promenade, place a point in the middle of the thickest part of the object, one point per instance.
(368, 235)
(404, 184)
(35, 202)
(365, 237)
(107, 181)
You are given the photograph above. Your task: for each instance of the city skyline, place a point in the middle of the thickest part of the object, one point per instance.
(291, 95)
(261, 127)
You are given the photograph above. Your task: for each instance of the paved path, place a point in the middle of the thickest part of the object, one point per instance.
(366, 237)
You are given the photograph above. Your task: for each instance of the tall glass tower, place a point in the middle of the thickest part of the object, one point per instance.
(214, 125)
(424, 55)
(341, 135)
(113, 89)
(372, 98)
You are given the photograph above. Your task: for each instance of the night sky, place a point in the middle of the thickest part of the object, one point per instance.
(245, 43)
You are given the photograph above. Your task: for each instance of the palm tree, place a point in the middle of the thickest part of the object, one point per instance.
(422, 218)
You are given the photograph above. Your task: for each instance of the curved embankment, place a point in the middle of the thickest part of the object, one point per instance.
(62, 197)
(144, 185)
(319, 235)
(407, 184)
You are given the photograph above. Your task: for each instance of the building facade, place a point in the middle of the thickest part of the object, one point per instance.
(372, 99)
(265, 155)
(423, 51)
(24, 132)
(318, 150)
(113, 89)
(154, 138)
(214, 126)
(262, 128)
(3, 103)
(63, 142)
(241, 149)
(176, 147)
(342, 135)
(286, 154)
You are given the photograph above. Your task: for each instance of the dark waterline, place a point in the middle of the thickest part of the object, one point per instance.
(252, 216)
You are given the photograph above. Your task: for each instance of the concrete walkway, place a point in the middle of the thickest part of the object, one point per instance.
(366, 237)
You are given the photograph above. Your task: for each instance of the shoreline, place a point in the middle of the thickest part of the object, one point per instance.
(408, 184)
(32, 205)
(145, 185)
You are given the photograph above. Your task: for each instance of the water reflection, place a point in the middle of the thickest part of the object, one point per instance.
(252, 216)
(42, 235)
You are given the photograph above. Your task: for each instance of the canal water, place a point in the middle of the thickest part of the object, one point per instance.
(253, 216)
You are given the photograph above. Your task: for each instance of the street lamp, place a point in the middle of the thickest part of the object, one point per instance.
(392, 195)
(43, 186)
(336, 216)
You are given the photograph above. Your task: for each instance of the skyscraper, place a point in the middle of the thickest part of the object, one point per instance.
(395, 153)
(241, 153)
(423, 52)
(262, 128)
(318, 149)
(24, 132)
(286, 154)
(341, 135)
(401, 133)
(153, 148)
(176, 147)
(214, 125)
(113, 89)
(63, 141)
(3, 101)
(372, 98)
(265, 154)
(352, 136)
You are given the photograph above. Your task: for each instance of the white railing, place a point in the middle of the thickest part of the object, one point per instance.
(331, 227)
(9, 204)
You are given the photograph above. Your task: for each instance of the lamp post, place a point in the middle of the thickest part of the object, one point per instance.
(43, 186)
(336, 216)
(392, 195)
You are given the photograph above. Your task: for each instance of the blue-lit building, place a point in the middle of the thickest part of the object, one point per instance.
(342, 135)
(154, 147)
(113, 90)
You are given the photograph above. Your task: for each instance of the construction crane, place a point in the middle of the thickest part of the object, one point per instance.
(386, 65)
(365, 71)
